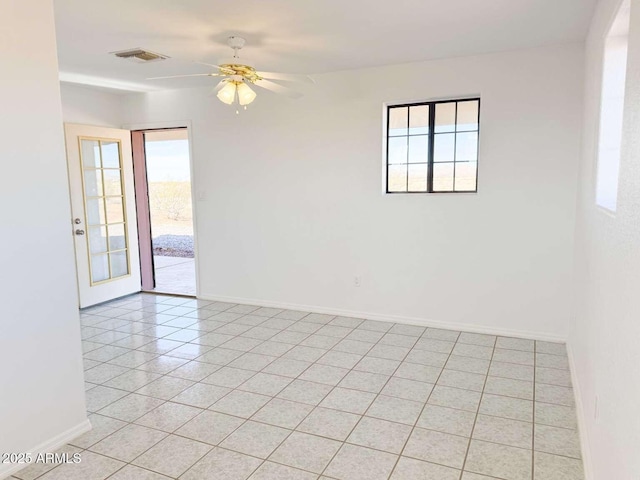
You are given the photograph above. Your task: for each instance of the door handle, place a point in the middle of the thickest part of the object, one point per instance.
(79, 232)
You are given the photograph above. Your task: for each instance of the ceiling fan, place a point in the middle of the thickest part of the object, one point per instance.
(237, 76)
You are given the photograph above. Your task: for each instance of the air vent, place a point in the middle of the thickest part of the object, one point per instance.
(139, 55)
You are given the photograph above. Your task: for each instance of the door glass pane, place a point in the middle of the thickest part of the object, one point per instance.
(112, 182)
(116, 237)
(443, 177)
(90, 153)
(445, 117)
(93, 182)
(418, 178)
(443, 147)
(397, 178)
(398, 119)
(467, 116)
(466, 177)
(95, 211)
(418, 149)
(115, 213)
(419, 120)
(110, 154)
(97, 239)
(99, 267)
(398, 150)
(119, 264)
(467, 147)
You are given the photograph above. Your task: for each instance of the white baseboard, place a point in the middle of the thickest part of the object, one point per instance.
(506, 332)
(50, 445)
(581, 414)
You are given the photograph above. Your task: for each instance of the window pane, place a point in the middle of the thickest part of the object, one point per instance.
(466, 177)
(445, 117)
(443, 148)
(397, 181)
(90, 153)
(467, 146)
(117, 237)
(433, 141)
(110, 155)
(418, 178)
(112, 182)
(612, 102)
(119, 266)
(419, 149)
(419, 120)
(97, 239)
(115, 213)
(398, 150)
(443, 177)
(467, 116)
(99, 267)
(95, 211)
(93, 183)
(398, 119)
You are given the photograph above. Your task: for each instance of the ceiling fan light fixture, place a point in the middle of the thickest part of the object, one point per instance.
(228, 93)
(245, 94)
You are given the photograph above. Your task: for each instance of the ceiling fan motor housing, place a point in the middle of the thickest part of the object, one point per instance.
(236, 42)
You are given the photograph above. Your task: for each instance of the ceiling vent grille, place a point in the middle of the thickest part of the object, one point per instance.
(139, 55)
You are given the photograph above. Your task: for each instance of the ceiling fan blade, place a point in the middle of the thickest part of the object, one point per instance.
(183, 76)
(207, 64)
(218, 87)
(274, 87)
(221, 69)
(286, 77)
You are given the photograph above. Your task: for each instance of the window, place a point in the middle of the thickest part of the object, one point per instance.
(611, 110)
(432, 147)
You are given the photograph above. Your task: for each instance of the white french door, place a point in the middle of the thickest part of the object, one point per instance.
(104, 212)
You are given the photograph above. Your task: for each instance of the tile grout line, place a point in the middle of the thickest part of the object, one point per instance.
(259, 409)
(200, 381)
(400, 455)
(323, 398)
(173, 432)
(376, 397)
(263, 340)
(475, 421)
(220, 366)
(250, 418)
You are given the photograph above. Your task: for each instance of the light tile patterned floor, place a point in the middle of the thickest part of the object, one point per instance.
(191, 389)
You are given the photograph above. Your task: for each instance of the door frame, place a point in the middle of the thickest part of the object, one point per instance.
(168, 126)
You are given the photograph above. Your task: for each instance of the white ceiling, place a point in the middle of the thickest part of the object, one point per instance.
(297, 36)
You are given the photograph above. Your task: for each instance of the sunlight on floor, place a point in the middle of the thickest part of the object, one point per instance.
(175, 275)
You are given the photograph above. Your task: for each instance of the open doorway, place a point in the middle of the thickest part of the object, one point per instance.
(165, 213)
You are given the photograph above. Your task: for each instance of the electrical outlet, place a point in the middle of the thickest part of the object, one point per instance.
(356, 281)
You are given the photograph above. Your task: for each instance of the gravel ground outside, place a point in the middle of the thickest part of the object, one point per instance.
(173, 246)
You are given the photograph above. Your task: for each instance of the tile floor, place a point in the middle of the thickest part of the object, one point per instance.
(191, 389)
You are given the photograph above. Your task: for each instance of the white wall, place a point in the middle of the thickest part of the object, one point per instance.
(604, 341)
(91, 106)
(41, 386)
(293, 208)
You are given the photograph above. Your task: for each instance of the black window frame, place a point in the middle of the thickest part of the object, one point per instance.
(431, 142)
